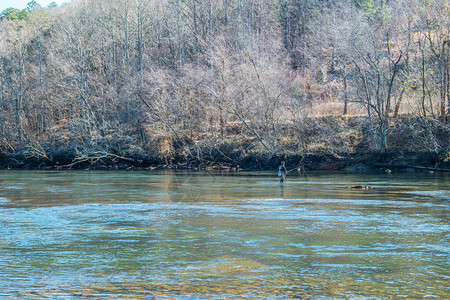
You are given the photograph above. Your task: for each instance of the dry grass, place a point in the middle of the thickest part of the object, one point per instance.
(408, 107)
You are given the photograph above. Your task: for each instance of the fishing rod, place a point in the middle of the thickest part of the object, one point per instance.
(298, 169)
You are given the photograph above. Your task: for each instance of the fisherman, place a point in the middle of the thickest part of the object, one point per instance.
(282, 172)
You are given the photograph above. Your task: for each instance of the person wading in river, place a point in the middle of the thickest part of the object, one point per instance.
(282, 172)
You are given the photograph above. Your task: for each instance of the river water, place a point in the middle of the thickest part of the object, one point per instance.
(193, 235)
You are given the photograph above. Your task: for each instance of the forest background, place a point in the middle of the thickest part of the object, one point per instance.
(323, 84)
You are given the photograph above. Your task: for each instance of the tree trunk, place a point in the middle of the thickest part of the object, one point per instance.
(287, 27)
(448, 86)
(345, 93)
(41, 125)
(303, 55)
(423, 83)
(211, 62)
(127, 64)
(127, 58)
(383, 132)
(19, 99)
(447, 71)
(2, 114)
(444, 84)
(179, 38)
(197, 33)
(140, 38)
(397, 105)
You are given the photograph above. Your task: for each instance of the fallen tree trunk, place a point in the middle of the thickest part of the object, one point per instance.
(394, 166)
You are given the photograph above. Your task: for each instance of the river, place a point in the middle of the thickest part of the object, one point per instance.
(204, 235)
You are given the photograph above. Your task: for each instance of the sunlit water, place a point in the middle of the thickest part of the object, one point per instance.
(202, 235)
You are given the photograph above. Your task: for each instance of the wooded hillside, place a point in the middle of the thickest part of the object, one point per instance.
(220, 80)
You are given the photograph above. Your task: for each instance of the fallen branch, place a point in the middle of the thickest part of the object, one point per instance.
(94, 157)
(34, 152)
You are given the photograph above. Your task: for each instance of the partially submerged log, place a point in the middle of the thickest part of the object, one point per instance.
(364, 187)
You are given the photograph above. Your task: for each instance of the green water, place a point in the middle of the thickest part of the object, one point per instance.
(197, 235)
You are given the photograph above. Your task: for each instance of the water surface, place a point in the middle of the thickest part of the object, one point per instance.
(207, 235)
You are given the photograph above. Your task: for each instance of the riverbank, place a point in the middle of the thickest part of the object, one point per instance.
(327, 143)
(355, 162)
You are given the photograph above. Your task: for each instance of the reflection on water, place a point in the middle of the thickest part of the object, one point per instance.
(202, 235)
